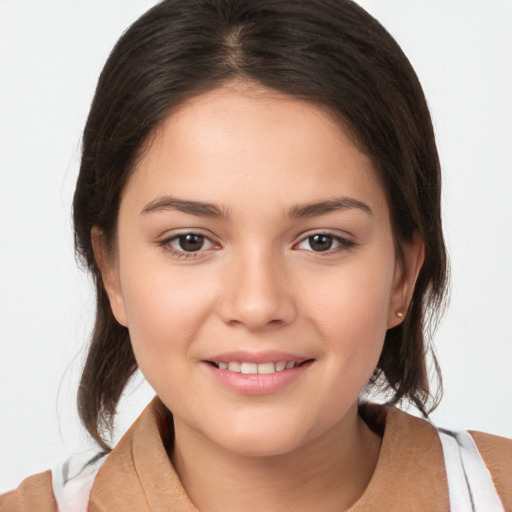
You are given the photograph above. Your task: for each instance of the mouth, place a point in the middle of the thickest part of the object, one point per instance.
(250, 368)
(262, 373)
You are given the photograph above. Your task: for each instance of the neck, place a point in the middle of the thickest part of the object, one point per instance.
(328, 473)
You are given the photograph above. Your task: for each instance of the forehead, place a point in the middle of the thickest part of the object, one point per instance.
(255, 144)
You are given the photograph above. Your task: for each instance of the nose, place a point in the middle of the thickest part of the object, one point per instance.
(256, 293)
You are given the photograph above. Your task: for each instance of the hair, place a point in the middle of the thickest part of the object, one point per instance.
(328, 52)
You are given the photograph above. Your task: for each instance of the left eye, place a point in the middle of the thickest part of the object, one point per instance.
(322, 242)
(190, 242)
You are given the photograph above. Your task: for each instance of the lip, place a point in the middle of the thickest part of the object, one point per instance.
(257, 384)
(257, 357)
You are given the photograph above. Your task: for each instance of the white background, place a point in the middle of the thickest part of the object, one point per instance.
(51, 53)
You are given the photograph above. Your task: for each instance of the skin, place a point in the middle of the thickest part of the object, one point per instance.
(258, 283)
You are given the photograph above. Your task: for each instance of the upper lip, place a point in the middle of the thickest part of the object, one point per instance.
(256, 357)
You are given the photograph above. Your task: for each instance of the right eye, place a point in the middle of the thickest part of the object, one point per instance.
(186, 245)
(191, 242)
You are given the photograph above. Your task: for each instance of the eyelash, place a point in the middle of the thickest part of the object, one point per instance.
(166, 244)
(344, 244)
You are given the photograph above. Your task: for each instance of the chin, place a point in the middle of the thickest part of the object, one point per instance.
(266, 438)
(260, 446)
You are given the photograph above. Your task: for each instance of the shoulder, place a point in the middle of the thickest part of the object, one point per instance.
(34, 493)
(66, 488)
(72, 481)
(410, 473)
(468, 465)
(497, 454)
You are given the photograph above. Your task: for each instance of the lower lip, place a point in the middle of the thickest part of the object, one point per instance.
(257, 384)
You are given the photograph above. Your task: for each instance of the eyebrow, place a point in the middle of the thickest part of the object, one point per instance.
(192, 207)
(328, 206)
(202, 209)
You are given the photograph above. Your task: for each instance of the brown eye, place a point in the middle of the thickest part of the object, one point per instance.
(320, 242)
(325, 242)
(191, 242)
(188, 245)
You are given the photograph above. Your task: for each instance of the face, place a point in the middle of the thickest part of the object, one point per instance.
(255, 270)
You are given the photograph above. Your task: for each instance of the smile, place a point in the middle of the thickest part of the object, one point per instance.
(257, 374)
(248, 368)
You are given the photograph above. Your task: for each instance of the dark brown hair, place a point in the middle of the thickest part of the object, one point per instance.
(330, 52)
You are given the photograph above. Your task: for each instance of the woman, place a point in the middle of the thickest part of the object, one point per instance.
(259, 203)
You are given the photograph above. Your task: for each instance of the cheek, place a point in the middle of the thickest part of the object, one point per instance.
(353, 296)
(165, 306)
(349, 306)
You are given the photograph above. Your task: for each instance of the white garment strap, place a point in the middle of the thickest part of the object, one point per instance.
(469, 481)
(72, 481)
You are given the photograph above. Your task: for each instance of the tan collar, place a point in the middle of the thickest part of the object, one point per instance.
(409, 476)
(138, 473)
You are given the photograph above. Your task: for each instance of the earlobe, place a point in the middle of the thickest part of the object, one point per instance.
(406, 274)
(109, 274)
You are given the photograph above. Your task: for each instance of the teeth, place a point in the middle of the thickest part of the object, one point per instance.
(265, 368)
(280, 366)
(234, 367)
(248, 368)
(254, 368)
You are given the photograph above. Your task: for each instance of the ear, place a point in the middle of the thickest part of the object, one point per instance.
(406, 273)
(109, 268)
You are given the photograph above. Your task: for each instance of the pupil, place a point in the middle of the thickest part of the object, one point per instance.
(191, 243)
(320, 242)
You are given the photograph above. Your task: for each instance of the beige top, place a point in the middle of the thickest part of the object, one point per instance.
(409, 476)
